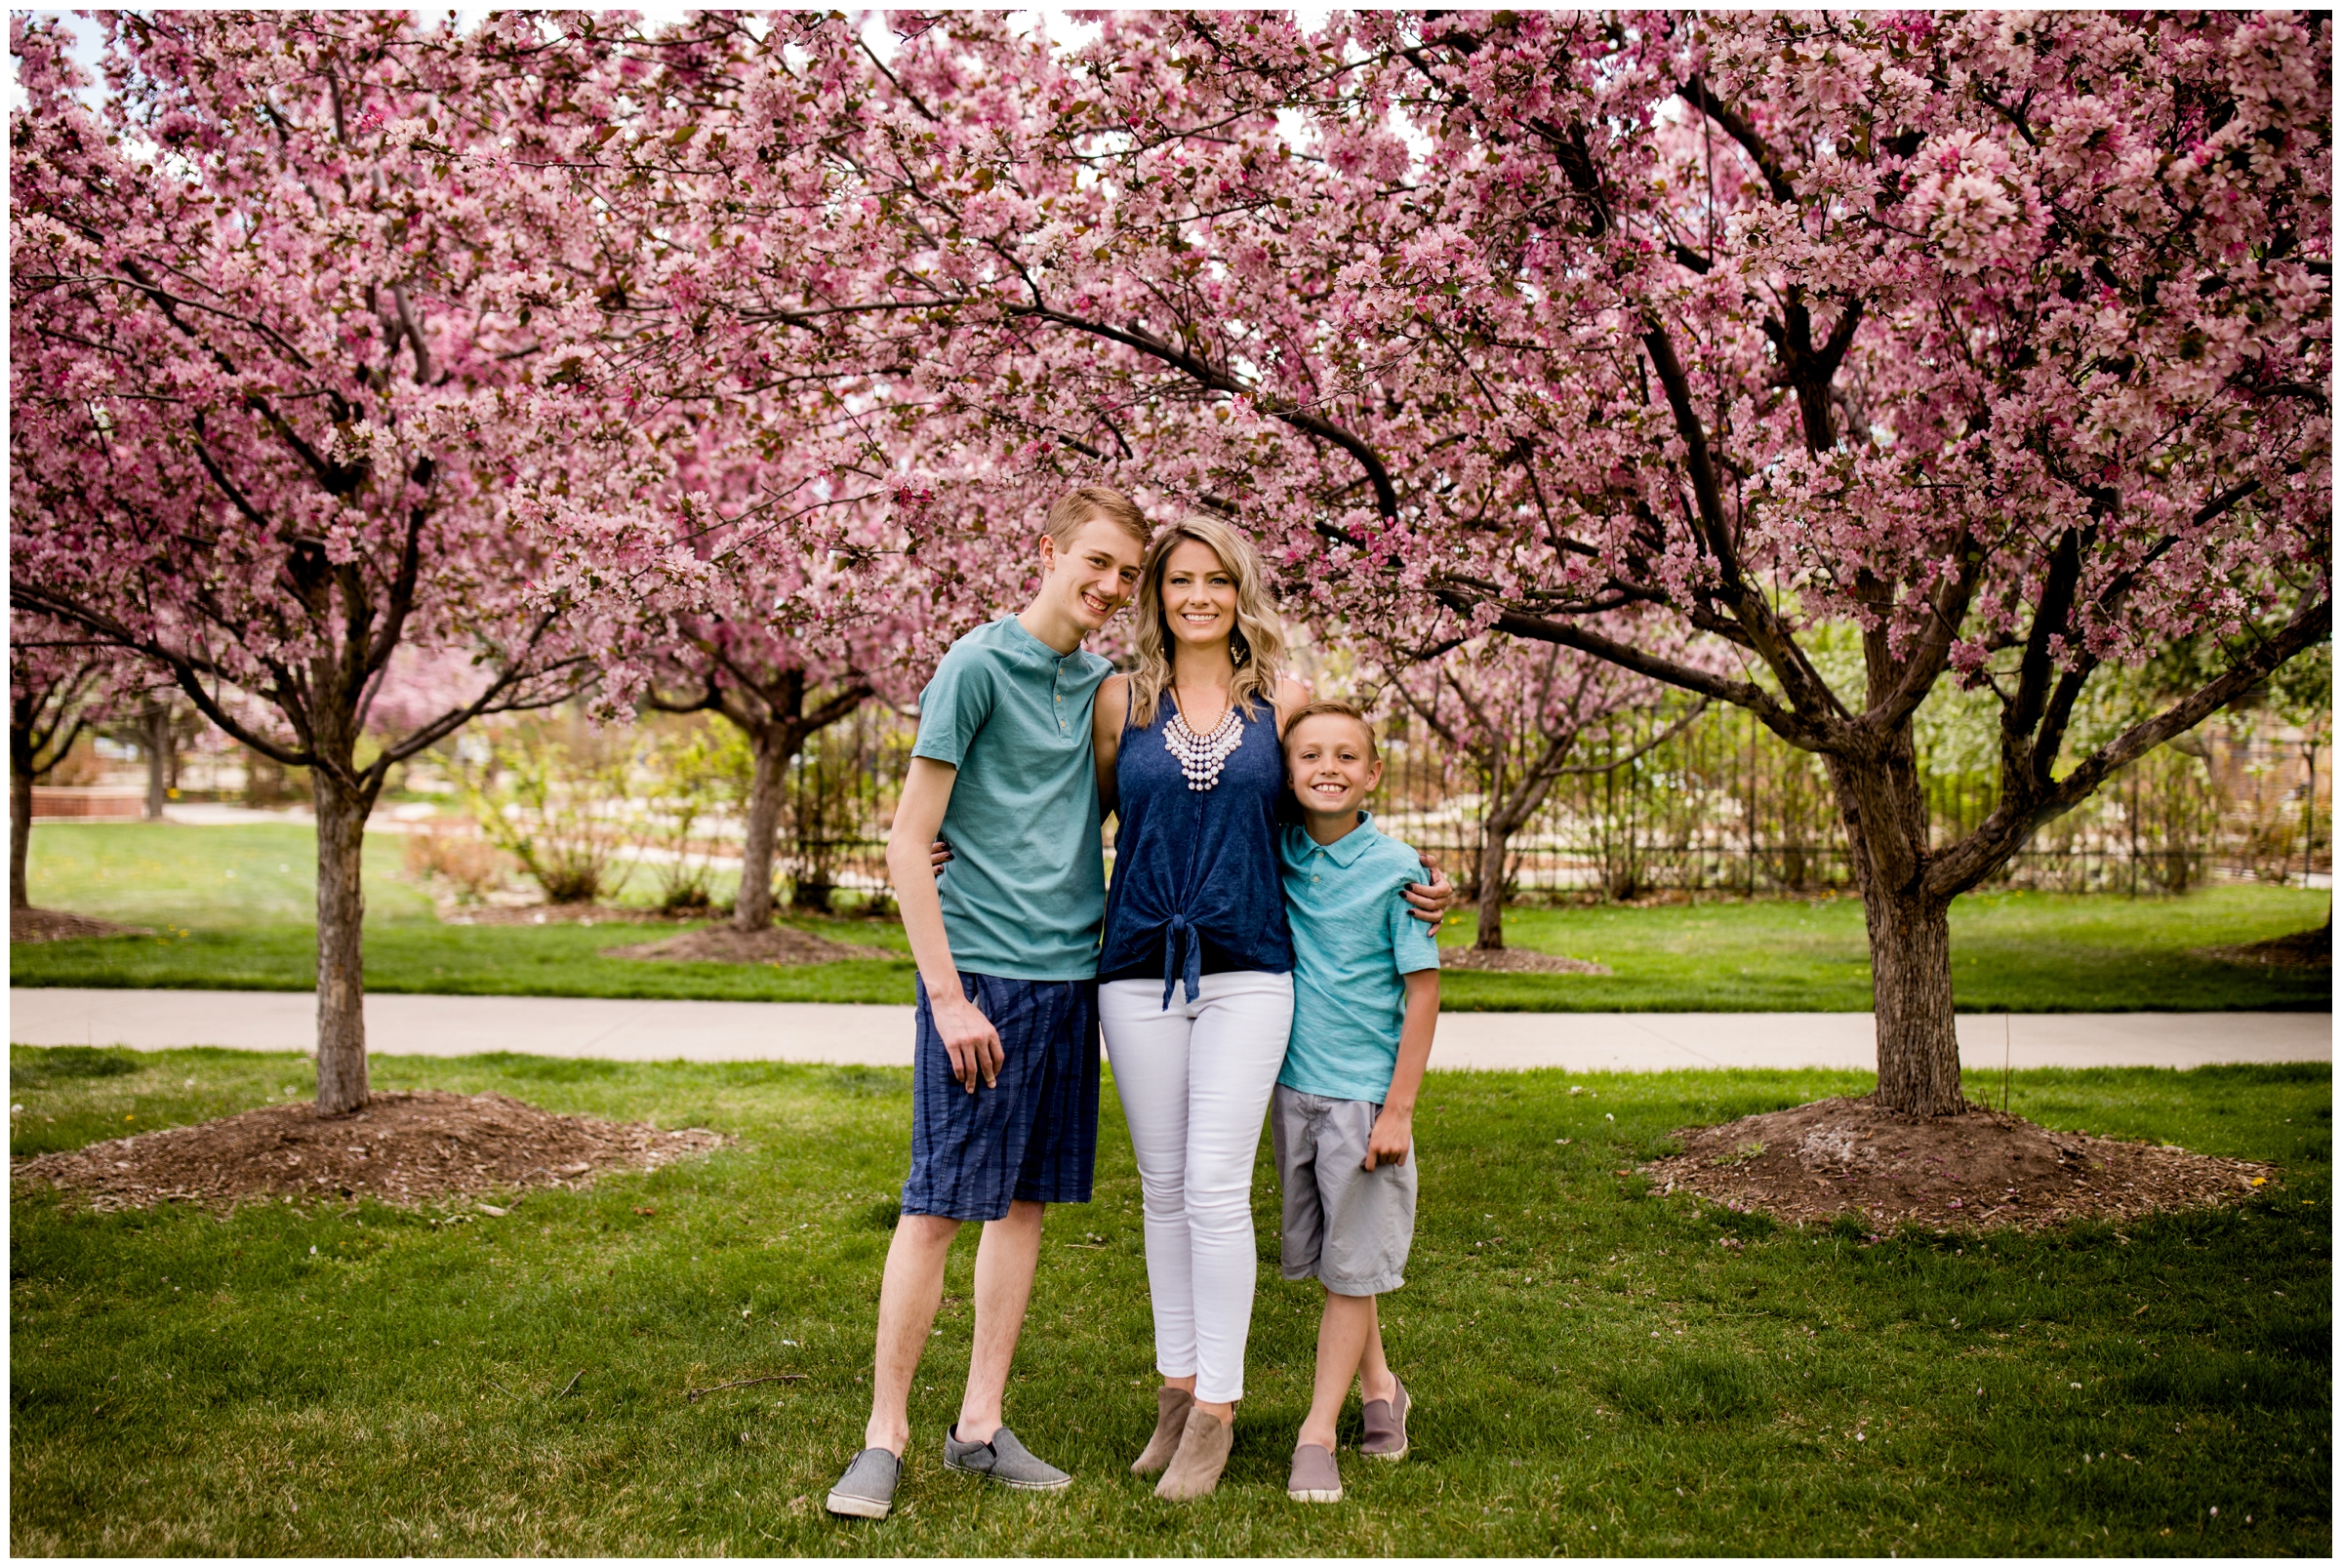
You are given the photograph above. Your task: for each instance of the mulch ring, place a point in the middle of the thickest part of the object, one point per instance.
(2303, 949)
(403, 1148)
(59, 925)
(1973, 1171)
(722, 944)
(1516, 961)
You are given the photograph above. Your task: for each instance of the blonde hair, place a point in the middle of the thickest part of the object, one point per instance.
(1327, 708)
(1257, 641)
(1089, 502)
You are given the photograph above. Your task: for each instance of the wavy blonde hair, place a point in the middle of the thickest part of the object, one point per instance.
(1257, 641)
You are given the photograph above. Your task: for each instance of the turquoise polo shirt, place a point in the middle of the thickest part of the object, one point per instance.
(1353, 943)
(1026, 889)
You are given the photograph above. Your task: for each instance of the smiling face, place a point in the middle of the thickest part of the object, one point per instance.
(1330, 760)
(1199, 594)
(1093, 573)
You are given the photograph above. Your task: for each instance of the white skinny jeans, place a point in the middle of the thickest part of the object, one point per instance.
(1195, 1081)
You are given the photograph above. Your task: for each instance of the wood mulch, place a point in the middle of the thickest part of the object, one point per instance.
(775, 944)
(1516, 961)
(2303, 949)
(403, 1148)
(1974, 1171)
(60, 925)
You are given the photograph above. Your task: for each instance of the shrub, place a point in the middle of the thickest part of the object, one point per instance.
(459, 856)
(691, 774)
(558, 806)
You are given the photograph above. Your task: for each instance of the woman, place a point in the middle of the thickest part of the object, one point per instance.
(1195, 986)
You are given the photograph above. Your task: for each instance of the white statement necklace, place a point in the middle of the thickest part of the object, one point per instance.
(1202, 756)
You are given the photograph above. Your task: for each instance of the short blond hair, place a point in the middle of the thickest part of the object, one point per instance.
(1086, 503)
(1337, 710)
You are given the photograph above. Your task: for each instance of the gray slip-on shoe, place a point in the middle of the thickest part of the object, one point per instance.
(1385, 1426)
(1316, 1478)
(866, 1491)
(1003, 1460)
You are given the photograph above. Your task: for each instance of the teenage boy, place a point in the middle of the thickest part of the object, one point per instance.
(1004, 1086)
(1365, 1000)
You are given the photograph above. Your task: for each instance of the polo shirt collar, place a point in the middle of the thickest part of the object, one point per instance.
(1032, 647)
(1346, 850)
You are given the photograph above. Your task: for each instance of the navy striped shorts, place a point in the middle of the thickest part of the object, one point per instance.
(1031, 1137)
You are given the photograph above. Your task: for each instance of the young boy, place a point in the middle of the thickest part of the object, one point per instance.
(1365, 999)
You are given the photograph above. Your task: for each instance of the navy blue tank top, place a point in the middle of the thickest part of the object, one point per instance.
(1196, 882)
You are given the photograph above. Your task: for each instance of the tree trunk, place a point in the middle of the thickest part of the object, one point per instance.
(772, 746)
(1495, 839)
(157, 719)
(1911, 997)
(19, 830)
(1886, 812)
(342, 813)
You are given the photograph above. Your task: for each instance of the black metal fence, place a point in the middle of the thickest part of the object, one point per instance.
(842, 790)
(1723, 809)
(1726, 808)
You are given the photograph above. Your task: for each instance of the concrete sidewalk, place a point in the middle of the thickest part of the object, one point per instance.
(881, 1036)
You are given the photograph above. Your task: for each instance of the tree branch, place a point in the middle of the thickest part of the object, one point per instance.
(1737, 126)
(2005, 831)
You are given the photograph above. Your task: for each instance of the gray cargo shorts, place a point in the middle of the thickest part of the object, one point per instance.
(1345, 1225)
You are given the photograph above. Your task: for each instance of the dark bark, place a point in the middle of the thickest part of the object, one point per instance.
(1495, 839)
(19, 830)
(155, 721)
(775, 716)
(1504, 817)
(1884, 808)
(45, 717)
(342, 813)
(1911, 997)
(774, 746)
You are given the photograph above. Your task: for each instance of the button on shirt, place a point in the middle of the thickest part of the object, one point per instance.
(1025, 888)
(1353, 943)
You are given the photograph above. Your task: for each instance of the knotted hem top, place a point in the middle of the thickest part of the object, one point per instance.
(1195, 871)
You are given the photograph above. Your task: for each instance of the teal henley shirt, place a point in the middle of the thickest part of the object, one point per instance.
(1024, 891)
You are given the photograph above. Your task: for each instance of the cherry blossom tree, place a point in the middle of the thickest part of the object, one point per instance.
(810, 594)
(289, 316)
(2004, 337)
(782, 645)
(1520, 713)
(58, 684)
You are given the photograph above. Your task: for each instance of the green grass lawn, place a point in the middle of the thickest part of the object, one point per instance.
(1594, 1371)
(233, 908)
(230, 909)
(2011, 952)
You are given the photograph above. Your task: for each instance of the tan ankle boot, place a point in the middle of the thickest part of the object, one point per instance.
(1203, 1446)
(1169, 1422)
